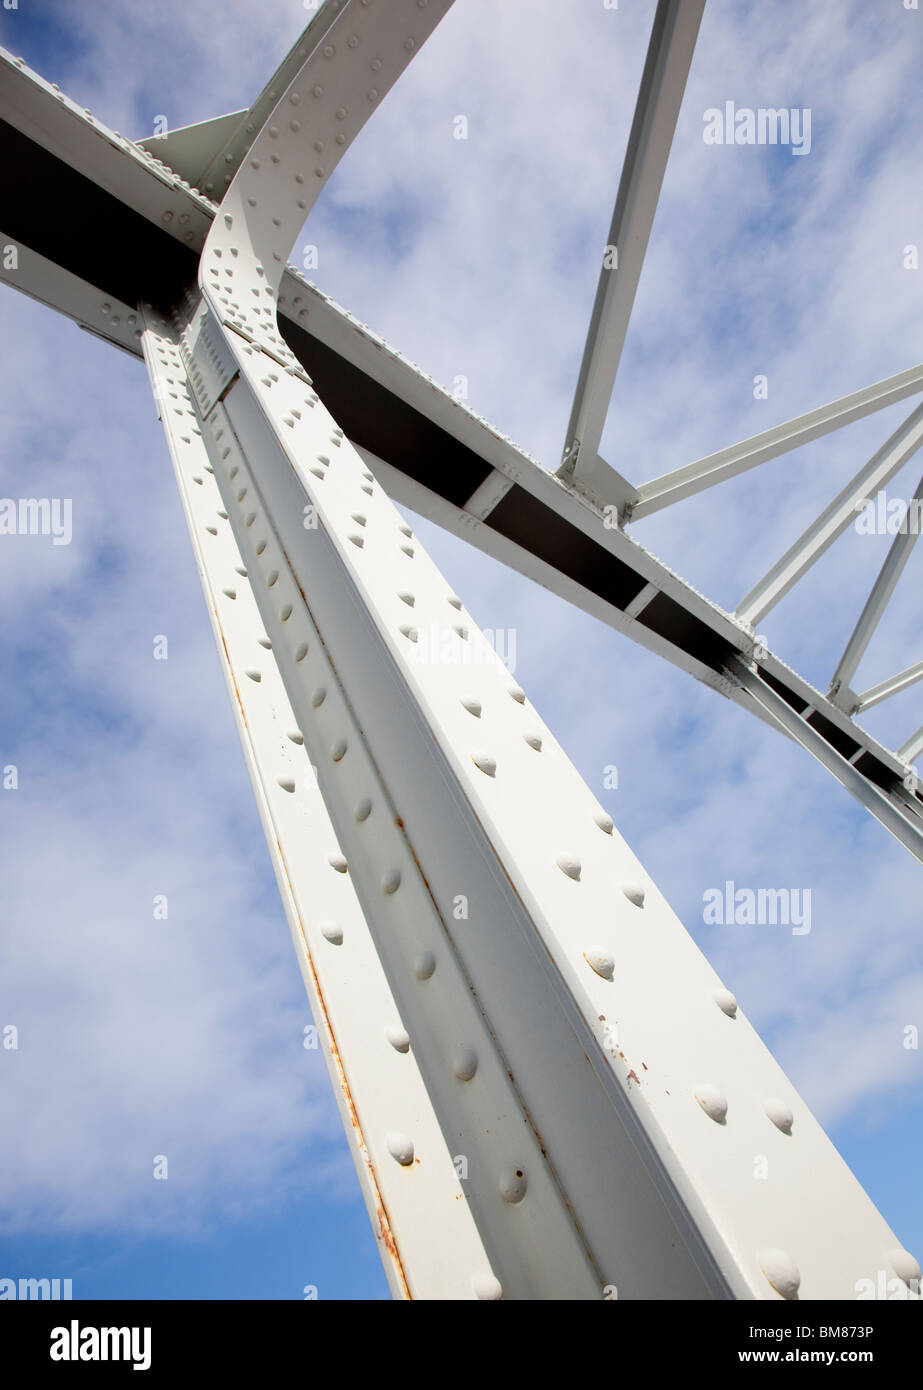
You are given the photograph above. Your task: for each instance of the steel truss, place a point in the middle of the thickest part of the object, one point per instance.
(548, 1092)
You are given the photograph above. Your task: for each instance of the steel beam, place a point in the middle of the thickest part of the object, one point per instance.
(891, 686)
(912, 749)
(833, 521)
(781, 439)
(877, 601)
(467, 917)
(897, 815)
(385, 403)
(666, 68)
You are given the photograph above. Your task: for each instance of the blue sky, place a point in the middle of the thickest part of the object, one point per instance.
(478, 258)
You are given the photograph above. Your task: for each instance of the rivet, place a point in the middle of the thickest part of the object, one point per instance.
(779, 1113)
(486, 1288)
(338, 751)
(781, 1271)
(518, 695)
(295, 735)
(333, 932)
(391, 881)
(253, 674)
(471, 705)
(250, 518)
(301, 652)
(398, 1037)
(725, 1001)
(375, 65)
(569, 864)
(372, 94)
(424, 965)
(273, 578)
(352, 41)
(534, 741)
(713, 1102)
(366, 489)
(400, 1147)
(405, 531)
(230, 593)
(602, 962)
(512, 1185)
(905, 1267)
(359, 518)
(336, 861)
(341, 113)
(465, 1063)
(604, 821)
(461, 632)
(363, 809)
(455, 602)
(319, 696)
(286, 783)
(360, 542)
(329, 50)
(408, 599)
(286, 612)
(212, 530)
(265, 642)
(486, 763)
(409, 632)
(295, 99)
(633, 892)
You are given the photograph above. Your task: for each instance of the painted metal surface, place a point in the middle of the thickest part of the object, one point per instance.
(601, 1085)
(513, 510)
(549, 1092)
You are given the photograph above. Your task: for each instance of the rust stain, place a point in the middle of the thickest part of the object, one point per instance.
(227, 657)
(384, 1224)
(633, 1076)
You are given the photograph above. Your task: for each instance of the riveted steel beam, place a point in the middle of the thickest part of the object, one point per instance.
(590, 1084)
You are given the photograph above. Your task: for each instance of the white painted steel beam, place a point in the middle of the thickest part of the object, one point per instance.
(912, 749)
(877, 602)
(770, 444)
(155, 197)
(892, 686)
(594, 1094)
(833, 521)
(663, 81)
(897, 815)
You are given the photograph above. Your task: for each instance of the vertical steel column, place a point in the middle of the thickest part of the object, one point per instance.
(550, 1093)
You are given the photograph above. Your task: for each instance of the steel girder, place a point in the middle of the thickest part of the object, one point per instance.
(471, 928)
